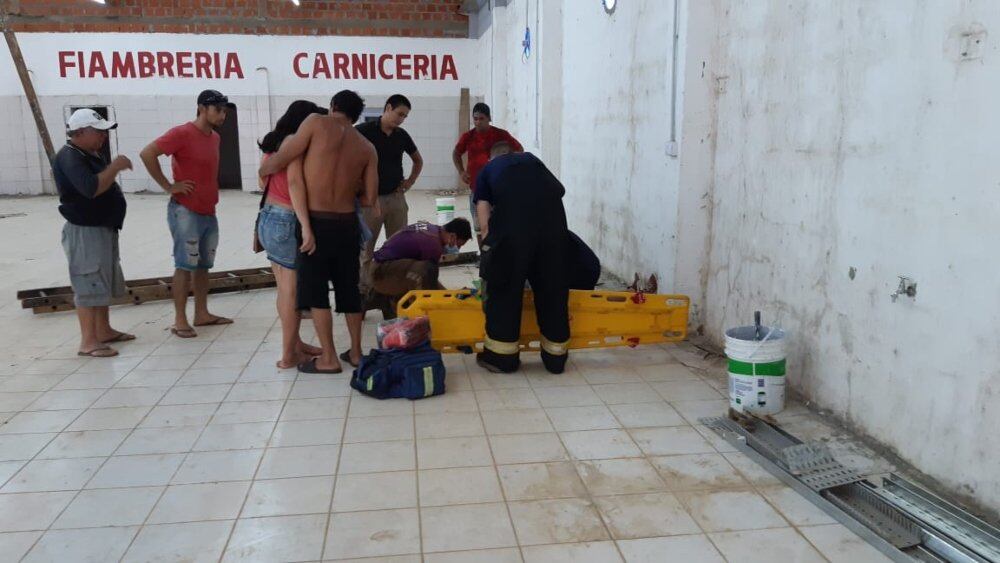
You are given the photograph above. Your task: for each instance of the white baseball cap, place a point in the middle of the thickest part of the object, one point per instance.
(86, 117)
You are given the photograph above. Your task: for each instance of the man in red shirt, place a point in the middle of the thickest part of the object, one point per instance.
(194, 151)
(477, 142)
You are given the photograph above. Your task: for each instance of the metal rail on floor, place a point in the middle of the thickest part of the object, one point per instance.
(903, 521)
(54, 299)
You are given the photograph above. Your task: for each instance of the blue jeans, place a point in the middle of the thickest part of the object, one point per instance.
(366, 233)
(276, 231)
(196, 237)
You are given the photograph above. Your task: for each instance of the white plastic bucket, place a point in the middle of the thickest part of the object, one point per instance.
(756, 369)
(445, 209)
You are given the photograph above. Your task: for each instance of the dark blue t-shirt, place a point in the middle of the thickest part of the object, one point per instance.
(75, 172)
(489, 176)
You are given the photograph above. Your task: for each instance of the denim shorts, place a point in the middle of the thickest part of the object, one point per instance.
(276, 231)
(196, 237)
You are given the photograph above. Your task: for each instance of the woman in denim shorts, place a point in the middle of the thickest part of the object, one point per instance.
(279, 235)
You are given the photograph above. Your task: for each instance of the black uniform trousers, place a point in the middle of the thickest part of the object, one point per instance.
(536, 253)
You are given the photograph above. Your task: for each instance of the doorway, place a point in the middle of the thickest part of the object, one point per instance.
(371, 114)
(230, 175)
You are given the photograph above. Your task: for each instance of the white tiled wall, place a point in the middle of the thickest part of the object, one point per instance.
(433, 124)
(22, 157)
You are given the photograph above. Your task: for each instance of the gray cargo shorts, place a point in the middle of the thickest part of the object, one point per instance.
(95, 269)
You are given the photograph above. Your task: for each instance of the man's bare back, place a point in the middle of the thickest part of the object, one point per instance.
(336, 164)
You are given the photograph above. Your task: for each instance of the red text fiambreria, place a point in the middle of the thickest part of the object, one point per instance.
(371, 66)
(147, 64)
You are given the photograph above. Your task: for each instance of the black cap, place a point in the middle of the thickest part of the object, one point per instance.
(214, 98)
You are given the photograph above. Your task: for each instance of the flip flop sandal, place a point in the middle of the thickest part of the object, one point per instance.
(120, 337)
(346, 356)
(183, 332)
(99, 353)
(216, 321)
(310, 367)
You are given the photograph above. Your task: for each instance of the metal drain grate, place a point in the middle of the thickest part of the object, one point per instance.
(903, 521)
(814, 464)
(808, 457)
(865, 506)
(829, 478)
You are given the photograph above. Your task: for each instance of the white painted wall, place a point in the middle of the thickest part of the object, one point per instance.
(854, 134)
(601, 121)
(145, 108)
(620, 183)
(814, 138)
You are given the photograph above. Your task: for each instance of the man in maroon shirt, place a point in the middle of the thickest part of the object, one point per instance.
(409, 259)
(193, 149)
(477, 142)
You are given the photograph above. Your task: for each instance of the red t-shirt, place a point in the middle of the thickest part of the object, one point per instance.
(277, 185)
(195, 157)
(479, 144)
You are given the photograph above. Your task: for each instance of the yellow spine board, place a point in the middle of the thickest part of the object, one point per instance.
(597, 319)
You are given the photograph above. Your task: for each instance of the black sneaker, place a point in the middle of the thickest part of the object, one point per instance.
(498, 363)
(554, 364)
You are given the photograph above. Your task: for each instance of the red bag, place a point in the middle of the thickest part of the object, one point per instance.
(403, 334)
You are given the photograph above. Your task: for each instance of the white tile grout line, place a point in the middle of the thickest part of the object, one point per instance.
(64, 428)
(260, 461)
(576, 468)
(336, 473)
(141, 526)
(755, 487)
(204, 426)
(496, 468)
(416, 477)
(82, 412)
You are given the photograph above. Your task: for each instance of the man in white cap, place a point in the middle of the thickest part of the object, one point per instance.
(94, 208)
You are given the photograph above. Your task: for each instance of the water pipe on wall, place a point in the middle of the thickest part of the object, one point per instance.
(267, 89)
(672, 148)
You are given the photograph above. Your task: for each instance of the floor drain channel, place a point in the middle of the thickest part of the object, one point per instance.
(901, 520)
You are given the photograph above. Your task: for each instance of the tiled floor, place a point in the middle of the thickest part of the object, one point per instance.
(202, 450)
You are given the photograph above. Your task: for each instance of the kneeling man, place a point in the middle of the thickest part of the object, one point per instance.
(409, 259)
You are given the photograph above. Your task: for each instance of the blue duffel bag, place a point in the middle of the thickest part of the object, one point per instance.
(397, 374)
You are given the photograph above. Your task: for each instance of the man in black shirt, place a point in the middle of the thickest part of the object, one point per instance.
(94, 208)
(525, 237)
(585, 266)
(390, 141)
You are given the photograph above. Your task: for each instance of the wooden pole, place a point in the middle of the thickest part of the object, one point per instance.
(464, 117)
(29, 88)
(464, 123)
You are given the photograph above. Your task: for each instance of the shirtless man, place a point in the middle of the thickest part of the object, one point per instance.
(328, 160)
